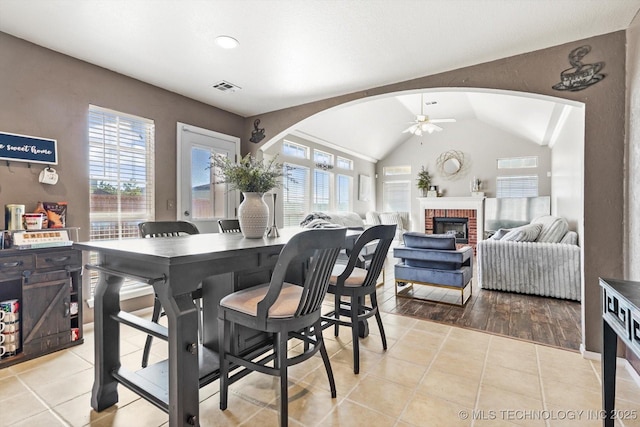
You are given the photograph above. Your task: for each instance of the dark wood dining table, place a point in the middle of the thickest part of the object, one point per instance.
(219, 263)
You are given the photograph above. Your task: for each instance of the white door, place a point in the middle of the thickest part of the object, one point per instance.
(201, 199)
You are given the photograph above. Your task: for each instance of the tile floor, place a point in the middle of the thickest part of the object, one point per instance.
(431, 375)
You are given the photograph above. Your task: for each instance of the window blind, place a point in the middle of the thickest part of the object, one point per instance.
(321, 190)
(343, 193)
(295, 194)
(121, 171)
(517, 186)
(396, 196)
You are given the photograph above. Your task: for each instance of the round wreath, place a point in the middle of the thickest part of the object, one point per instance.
(447, 156)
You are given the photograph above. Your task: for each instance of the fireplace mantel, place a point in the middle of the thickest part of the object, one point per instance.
(475, 203)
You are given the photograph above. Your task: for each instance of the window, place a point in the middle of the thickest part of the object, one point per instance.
(121, 162)
(396, 170)
(343, 192)
(322, 158)
(517, 186)
(344, 163)
(518, 162)
(321, 190)
(295, 194)
(295, 150)
(396, 196)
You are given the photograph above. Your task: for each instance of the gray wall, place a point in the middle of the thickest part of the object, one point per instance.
(537, 72)
(632, 208)
(47, 94)
(481, 144)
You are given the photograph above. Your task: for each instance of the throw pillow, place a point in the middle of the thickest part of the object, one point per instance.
(571, 238)
(389, 218)
(500, 233)
(526, 233)
(414, 239)
(553, 228)
(373, 218)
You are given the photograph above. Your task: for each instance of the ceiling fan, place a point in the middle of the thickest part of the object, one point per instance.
(423, 123)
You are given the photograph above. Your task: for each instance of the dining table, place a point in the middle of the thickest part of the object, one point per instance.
(216, 263)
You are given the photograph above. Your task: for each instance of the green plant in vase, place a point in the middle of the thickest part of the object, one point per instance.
(253, 178)
(424, 181)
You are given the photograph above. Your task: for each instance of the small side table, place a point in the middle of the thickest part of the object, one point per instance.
(620, 319)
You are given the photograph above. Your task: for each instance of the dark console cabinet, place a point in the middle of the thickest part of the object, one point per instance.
(47, 283)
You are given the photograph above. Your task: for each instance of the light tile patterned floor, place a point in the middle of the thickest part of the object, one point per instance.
(432, 375)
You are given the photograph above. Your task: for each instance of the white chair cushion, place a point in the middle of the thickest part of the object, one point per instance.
(355, 279)
(246, 301)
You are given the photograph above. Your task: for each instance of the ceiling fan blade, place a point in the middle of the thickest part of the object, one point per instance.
(442, 120)
(411, 129)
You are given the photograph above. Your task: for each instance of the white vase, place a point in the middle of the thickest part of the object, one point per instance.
(253, 214)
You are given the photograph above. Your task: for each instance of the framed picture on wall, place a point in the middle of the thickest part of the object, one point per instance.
(364, 188)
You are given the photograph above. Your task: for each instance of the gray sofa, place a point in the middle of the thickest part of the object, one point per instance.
(540, 258)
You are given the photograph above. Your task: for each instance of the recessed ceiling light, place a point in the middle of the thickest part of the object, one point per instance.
(227, 42)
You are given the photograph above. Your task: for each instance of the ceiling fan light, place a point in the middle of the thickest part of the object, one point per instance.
(227, 42)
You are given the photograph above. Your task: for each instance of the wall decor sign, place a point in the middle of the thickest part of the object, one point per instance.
(30, 149)
(580, 76)
(257, 134)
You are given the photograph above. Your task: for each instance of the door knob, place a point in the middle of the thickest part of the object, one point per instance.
(186, 213)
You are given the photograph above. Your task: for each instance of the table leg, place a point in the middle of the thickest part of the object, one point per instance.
(183, 360)
(608, 362)
(107, 341)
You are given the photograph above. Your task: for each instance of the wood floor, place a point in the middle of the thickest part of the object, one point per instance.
(549, 321)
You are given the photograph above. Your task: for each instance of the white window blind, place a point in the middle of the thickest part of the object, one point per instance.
(396, 170)
(518, 162)
(121, 171)
(321, 190)
(396, 196)
(295, 194)
(343, 192)
(517, 186)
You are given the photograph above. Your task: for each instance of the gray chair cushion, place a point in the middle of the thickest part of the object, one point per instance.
(414, 239)
(526, 233)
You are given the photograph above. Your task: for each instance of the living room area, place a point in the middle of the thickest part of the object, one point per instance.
(510, 144)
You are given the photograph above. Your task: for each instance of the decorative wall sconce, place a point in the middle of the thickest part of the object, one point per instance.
(323, 166)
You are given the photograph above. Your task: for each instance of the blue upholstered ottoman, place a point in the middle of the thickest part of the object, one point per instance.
(433, 260)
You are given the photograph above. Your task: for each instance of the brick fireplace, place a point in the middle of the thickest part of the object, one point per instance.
(443, 208)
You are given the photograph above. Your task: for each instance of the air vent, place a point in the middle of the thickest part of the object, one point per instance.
(225, 86)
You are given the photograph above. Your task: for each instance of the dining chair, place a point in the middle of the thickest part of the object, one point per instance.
(229, 225)
(355, 283)
(282, 309)
(153, 229)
